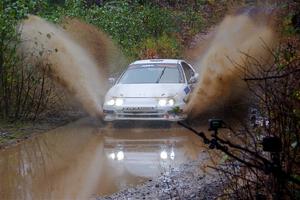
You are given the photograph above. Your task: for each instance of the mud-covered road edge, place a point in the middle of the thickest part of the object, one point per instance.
(188, 181)
(12, 134)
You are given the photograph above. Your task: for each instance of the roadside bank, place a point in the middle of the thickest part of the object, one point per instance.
(188, 181)
(12, 133)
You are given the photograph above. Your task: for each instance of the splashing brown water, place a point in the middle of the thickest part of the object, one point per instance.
(234, 41)
(96, 43)
(79, 62)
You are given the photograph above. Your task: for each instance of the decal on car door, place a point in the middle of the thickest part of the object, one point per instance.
(187, 89)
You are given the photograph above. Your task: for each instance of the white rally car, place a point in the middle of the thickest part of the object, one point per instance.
(155, 89)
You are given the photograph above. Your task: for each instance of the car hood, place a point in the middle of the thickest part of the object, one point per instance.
(145, 90)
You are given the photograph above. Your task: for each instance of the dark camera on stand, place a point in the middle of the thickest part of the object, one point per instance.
(272, 144)
(215, 124)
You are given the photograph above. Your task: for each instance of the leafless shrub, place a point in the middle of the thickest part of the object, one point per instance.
(27, 92)
(275, 114)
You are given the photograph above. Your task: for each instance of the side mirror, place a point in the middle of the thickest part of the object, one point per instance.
(111, 80)
(194, 79)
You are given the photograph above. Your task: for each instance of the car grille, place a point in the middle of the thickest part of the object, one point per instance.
(140, 116)
(139, 110)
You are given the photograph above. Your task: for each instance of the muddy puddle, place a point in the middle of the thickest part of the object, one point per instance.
(83, 160)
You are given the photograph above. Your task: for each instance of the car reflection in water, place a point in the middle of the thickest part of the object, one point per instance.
(145, 157)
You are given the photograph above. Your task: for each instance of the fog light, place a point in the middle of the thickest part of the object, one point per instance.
(172, 155)
(120, 155)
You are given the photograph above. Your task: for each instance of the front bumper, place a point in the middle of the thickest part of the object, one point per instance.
(143, 113)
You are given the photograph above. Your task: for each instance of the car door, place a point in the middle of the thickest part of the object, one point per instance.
(189, 74)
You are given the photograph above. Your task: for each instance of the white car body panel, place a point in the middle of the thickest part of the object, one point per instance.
(147, 90)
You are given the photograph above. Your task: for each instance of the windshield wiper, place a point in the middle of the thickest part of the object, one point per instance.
(162, 73)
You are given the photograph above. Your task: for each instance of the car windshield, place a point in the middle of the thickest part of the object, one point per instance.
(152, 73)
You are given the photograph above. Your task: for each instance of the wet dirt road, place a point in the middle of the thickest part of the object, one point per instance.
(83, 160)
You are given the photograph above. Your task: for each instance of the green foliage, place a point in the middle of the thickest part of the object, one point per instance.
(177, 110)
(156, 21)
(163, 47)
(119, 22)
(190, 22)
(288, 29)
(130, 23)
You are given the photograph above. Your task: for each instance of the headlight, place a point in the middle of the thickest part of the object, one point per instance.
(171, 102)
(162, 102)
(166, 102)
(120, 155)
(119, 102)
(163, 155)
(115, 102)
(110, 102)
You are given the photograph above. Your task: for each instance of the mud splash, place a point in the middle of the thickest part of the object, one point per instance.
(96, 43)
(235, 41)
(80, 70)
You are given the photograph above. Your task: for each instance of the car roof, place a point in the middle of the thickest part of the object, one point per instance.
(148, 61)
